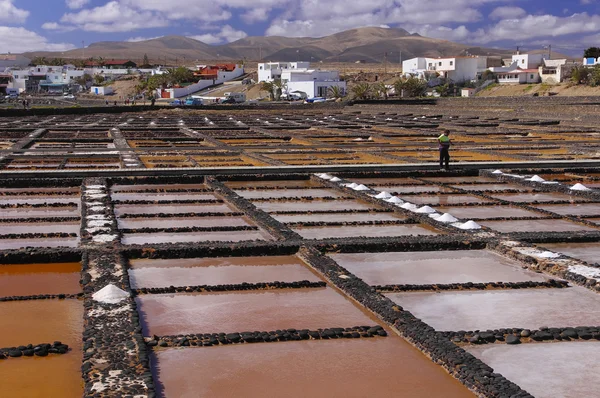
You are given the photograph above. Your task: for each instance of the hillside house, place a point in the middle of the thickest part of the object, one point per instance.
(269, 71)
(111, 64)
(456, 69)
(591, 61)
(311, 83)
(555, 71)
(219, 72)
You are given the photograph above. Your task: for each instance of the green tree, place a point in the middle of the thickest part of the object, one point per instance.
(179, 75)
(361, 91)
(278, 87)
(592, 52)
(443, 90)
(412, 86)
(381, 90)
(146, 62)
(98, 79)
(336, 92)
(270, 88)
(580, 75)
(594, 77)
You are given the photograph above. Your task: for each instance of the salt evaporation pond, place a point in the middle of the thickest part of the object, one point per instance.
(168, 314)
(492, 187)
(565, 369)
(347, 231)
(380, 367)
(39, 212)
(33, 279)
(494, 309)
(288, 193)
(175, 222)
(308, 206)
(536, 197)
(536, 226)
(218, 271)
(171, 209)
(182, 237)
(574, 209)
(163, 196)
(6, 244)
(586, 251)
(39, 228)
(338, 217)
(448, 199)
(483, 212)
(433, 267)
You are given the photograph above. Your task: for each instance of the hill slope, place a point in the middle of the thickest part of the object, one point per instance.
(368, 43)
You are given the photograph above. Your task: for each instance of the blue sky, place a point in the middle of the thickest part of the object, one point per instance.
(569, 26)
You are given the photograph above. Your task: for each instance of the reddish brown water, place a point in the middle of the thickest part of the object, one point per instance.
(171, 209)
(40, 212)
(167, 314)
(566, 369)
(364, 230)
(458, 180)
(217, 271)
(133, 223)
(494, 309)
(574, 209)
(42, 321)
(308, 206)
(30, 279)
(433, 267)
(272, 184)
(586, 251)
(492, 187)
(165, 187)
(443, 200)
(380, 367)
(38, 200)
(339, 217)
(163, 196)
(536, 197)
(50, 190)
(38, 228)
(223, 236)
(387, 181)
(289, 193)
(487, 212)
(46, 242)
(400, 189)
(536, 226)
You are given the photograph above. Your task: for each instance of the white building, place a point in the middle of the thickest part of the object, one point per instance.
(515, 75)
(457, 69)
(591, 61)
(101, 90)
(13, 61)
(269, 71)
(554, 71)
(528, 61)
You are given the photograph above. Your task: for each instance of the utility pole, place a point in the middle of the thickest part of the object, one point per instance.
(549, 51)
(385, 62)
(83, 48)
(260, 52)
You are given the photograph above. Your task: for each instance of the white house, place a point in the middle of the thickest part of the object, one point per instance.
(311, 83)
(591, 61)
(528, 61)
(467, 92)
(269, 71)
(554, 70)
(519, 76)
(457, 69)
(101, 90)
(13, 61)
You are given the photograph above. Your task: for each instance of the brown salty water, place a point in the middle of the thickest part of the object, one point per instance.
(171, 209)
(39, 228)
(40, 212)
(164, 187)
(308, 206)
(156, 222)
(38, 242)
(492, 187)
(536, 197)
(433, 267)
(162, 196)
(574, 209)
(30, 279)
(167, 314)
(221, 236)
(365, 230)
(536, 226)
(494, 309)
(338, 217)
(586, 251)
(379, 367)
(272, 184)
(217, 271)
(288, 193)
(566, 369)
(443, 200)
(42, 321)
(469, 212)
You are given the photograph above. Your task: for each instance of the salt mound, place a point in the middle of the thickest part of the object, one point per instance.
(383, 195)
(470, 225)
(335, 179)
(352, 185)
(497, 172)
(426, 210)
(435, 215)
(110, 294)
(361, 187)
(409, 206)
(395, 200)
(447, 217)
(536, 178)
(547, 254)
(579, 187)
(324, 176)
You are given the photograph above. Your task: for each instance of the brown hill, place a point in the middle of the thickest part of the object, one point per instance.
(370, 44)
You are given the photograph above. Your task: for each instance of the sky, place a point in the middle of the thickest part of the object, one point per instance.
(59, 25)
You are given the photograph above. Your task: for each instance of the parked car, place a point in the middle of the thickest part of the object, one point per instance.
(193, 101)
(12, 96)
(68, 96)
(176, 103)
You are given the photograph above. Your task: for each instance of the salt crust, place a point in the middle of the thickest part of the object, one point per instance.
(583, 270)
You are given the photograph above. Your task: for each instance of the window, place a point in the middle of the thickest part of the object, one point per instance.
(430, 64)
(531, 76)
(523, 61)
(260, 67)
(451, 63)
(440, 63)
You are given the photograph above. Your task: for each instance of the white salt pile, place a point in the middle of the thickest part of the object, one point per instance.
(425, 210)
(361, 187)
(110, 294)
(435, 215)
(547, 254)
(352, 185)
(447, 217)
(395, 200)
(335, 179)
(469, 225)
(383, 195)
(497, 172)
(535, 178)
(409, 206)
(324, 176)
(579, 187)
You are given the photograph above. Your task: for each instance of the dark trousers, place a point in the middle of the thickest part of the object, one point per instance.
(445, 158)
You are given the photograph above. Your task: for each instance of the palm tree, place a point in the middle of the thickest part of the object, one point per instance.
(335, 92)
(381, 90)
(278, 87)
(268, 87)
(361, 90)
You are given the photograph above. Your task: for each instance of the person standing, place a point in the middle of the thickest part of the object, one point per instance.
(444, 141)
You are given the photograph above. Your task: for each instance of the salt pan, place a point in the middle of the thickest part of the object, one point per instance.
(579, 187)
(110, 294)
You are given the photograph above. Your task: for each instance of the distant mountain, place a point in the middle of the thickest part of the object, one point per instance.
(369, 44)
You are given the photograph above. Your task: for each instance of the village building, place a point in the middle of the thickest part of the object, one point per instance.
(457, 69)
(299, 80)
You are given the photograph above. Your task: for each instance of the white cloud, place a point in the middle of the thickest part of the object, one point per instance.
(21, 40)
(255, 15)
(57, 27)
(113, 17)
(11, 14)
(141, 38)
(507, 12)
(76, 4)
(227, 34)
